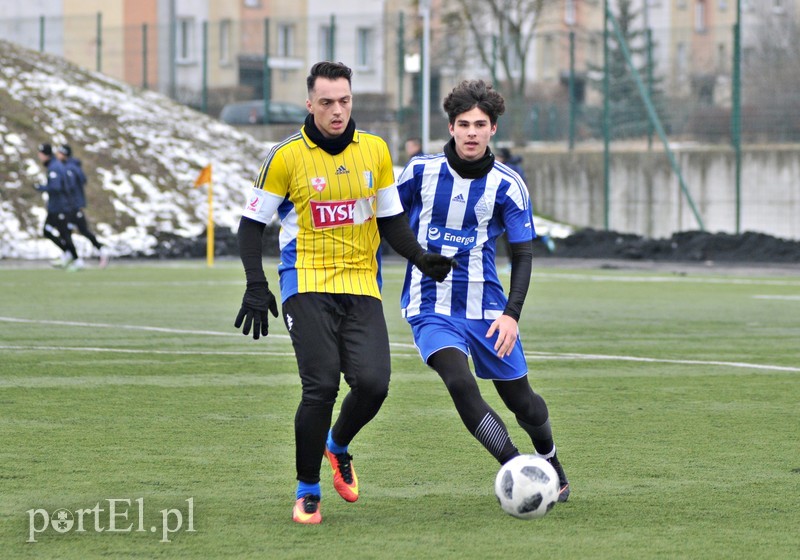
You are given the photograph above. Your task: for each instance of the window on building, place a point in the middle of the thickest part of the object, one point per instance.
(700, 16)
(681, 62)
(325, 35)
(681, 4)
(252, 3)
(569, 12)
(285, 40)
(722, 58)
(365, 39)
(778, 6)
(548, 55)
(184, 39)
(225, 41)
(723, 5)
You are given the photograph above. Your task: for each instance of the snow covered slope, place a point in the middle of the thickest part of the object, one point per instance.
(140, 150)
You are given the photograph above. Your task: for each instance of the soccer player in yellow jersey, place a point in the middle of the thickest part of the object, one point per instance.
(333, 189)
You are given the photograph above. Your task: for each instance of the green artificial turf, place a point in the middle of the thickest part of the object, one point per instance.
(674, 401)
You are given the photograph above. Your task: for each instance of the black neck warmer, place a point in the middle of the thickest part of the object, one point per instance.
(333, 146)
(468, 169)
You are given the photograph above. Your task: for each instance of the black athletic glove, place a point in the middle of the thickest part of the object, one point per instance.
(256, 302)
(435, 265)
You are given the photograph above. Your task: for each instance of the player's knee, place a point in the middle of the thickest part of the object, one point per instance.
(461, 387)
(321, 394)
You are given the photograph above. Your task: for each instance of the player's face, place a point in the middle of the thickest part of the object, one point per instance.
(472, 131)
(331, 103)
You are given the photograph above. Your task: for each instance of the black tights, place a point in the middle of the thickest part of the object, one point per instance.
(482, 422)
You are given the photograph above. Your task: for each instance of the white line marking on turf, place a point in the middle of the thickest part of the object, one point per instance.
(129, 327)
(782, 298)
(658, 279)
(531, 355)
(567, 356)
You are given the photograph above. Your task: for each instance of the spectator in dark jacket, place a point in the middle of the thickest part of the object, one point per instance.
(59, 207)
(76, 180)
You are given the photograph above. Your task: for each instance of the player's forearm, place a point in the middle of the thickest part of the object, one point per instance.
(250, 249)
(396, 231)
(521, 267)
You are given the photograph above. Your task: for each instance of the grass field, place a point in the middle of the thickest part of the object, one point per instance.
(675, 400)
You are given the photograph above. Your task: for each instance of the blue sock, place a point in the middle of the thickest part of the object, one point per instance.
(304, 488)
(334, 447)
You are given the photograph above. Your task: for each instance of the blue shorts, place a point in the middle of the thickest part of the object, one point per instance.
(433, 332)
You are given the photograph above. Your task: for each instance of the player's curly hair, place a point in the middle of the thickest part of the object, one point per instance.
(474, 93)
(329, 70)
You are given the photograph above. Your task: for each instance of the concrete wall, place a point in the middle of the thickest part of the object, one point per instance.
(645, 195)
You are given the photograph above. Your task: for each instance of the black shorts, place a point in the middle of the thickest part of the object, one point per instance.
(337, 333)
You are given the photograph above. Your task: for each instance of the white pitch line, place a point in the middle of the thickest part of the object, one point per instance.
(782, 298)
(129, 327)
(531, 355)
(566, 356)
(662, 279)
(158, 352)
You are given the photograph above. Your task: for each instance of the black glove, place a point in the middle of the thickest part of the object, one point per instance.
(435, 265)
(256, 302)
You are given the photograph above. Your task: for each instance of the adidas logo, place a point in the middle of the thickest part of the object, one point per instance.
(459, 198)
(342, 170)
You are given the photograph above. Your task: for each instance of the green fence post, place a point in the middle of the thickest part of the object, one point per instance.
(606, 120)
(649, 38)
(99, 41)
(41, 33)
(401, 74)
(571, 87)
(144, 56)
(267, 84)
(736, 114)
(495, 50)
(332, 39)
(204, 91)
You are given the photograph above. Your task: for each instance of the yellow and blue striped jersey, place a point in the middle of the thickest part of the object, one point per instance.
(327, 205)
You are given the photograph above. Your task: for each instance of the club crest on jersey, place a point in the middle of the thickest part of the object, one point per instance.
(334, 213)
(368, 179)
(319, 183)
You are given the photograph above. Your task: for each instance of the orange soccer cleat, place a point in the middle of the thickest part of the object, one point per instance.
(307, 510)
(345, 480)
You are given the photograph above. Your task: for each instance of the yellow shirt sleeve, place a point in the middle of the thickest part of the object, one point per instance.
(273, 177)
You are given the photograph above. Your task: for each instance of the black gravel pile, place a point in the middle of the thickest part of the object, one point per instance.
(687, 246)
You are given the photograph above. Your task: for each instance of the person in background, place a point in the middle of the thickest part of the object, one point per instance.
(514, 162)
(76, 180)
(332, 186)
(458, 203)
(59, 208)
(413, 148)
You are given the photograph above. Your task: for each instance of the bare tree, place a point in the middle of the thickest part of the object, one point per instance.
(502, 32)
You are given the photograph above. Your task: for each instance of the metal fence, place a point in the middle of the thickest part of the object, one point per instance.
(208, 64)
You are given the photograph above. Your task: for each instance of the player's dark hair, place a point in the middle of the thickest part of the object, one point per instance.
(330, 71)
(474, 93)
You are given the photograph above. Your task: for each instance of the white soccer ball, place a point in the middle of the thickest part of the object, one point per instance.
(527, 487)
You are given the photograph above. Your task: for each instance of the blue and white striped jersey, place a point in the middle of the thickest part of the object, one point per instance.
(461, 218)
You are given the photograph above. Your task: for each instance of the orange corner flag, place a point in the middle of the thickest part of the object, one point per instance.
(204, 177)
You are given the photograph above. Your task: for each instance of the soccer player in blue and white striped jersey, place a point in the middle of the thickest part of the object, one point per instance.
(458, 203)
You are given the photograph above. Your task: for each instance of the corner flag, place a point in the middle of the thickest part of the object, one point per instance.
(205, 179)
